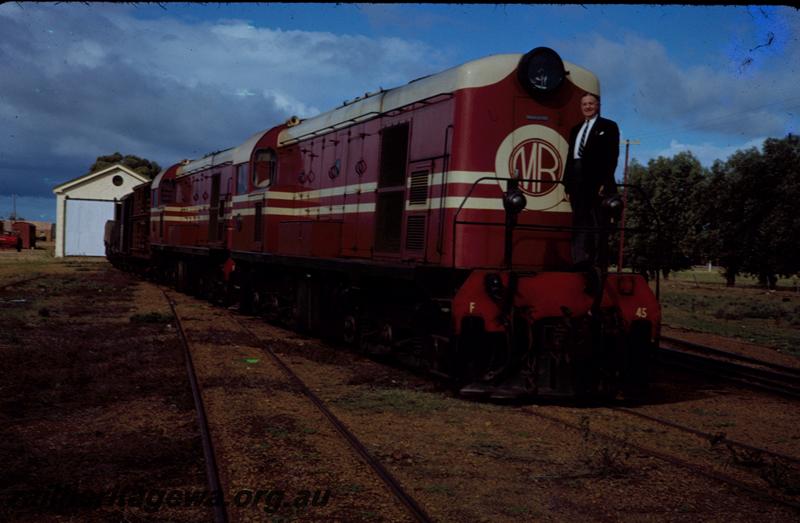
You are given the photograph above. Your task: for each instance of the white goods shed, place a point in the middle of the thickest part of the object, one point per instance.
(83, 206)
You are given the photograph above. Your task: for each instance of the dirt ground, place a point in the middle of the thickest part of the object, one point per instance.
(481, 462)
(97, 424)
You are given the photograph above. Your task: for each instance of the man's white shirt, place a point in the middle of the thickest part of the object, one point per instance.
(586, 129)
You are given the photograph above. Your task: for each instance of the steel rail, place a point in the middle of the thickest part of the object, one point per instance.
(764, 379)
(212, 471)
(705, 349)
(20, 282)
(760, 493)
(394, 485)
(714, 439)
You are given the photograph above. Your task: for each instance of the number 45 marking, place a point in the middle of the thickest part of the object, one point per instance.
(641, 312)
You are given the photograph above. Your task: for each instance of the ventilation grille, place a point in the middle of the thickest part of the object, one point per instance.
(415, 232)
(418, 193)
(167, 188)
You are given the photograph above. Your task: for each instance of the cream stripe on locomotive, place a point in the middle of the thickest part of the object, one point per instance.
(434, 179)
(310, 195)
(450, 202)
(468, 177)
(284, 211)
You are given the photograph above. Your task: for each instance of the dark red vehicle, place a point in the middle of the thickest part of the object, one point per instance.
(10, 240)
(428, 221)
(27, 234)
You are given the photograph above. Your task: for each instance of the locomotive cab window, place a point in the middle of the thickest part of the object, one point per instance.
(166, 191)
(265, 168)
(241, 178)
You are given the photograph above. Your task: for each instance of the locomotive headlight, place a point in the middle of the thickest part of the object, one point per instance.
(625, 285)
(514, 201)
(613, 206)
(541, 71)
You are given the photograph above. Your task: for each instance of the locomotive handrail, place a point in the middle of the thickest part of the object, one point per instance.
(331, 127)
(204, 167)
(443, 193)
(646, 199)
(554, 228)
(461, 206)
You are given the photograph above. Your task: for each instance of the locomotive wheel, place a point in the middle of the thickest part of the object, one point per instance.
(256, 301)
(350, 330)
(181, 276)
(199, 282)
(249, 299)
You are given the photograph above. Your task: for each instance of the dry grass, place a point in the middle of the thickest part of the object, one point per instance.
(765, 317)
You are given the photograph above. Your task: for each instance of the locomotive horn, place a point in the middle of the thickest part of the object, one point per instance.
(292, 121)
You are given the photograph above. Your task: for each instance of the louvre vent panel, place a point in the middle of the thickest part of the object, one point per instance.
(415, 232)
(418, 193)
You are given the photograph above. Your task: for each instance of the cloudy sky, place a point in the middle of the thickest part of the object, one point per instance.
(180, 80)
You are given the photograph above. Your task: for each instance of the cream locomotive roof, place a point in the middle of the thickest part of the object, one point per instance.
(477, 73)
(233, 155)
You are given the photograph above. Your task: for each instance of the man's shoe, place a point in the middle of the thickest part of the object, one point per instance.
(580, 266)
(593, 278)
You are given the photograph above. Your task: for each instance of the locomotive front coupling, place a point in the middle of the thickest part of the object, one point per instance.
(520, 334)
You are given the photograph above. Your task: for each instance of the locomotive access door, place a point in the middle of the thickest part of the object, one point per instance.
(391, 194)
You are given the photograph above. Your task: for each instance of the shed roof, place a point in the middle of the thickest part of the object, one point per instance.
(88, 178)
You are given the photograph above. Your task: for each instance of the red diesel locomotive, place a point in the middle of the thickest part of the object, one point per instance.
(428, 221)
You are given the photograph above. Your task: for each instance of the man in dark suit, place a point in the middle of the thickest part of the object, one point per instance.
(588, 178)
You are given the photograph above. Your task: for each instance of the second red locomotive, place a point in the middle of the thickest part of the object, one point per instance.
(427, 221)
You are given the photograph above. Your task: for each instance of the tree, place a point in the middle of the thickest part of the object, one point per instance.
(783, 163)
(772, 187)
(749, 222)
(672, 186)
(724, 228)
(134, 163)
(641, 242)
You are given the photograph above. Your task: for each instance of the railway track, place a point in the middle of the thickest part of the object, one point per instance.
(757, 453)
(6, 285)
(754, 462)
(761, 492)
(414, 509)
(212, 471)
(771, 377)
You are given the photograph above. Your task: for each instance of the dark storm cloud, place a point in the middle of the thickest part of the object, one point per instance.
(79, 82)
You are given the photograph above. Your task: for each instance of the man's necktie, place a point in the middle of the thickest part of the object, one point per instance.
(583, 139)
